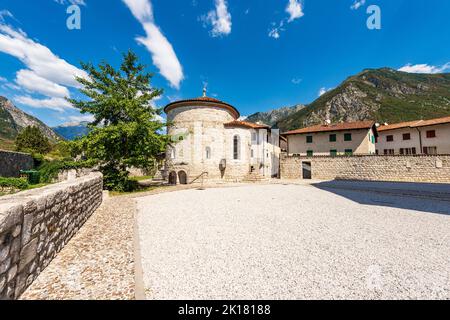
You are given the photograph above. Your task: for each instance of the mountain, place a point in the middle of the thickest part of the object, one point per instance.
(13, 120)
(273, 116)
(73, 130)
(383, 95)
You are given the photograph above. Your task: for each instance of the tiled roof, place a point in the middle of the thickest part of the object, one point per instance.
(345, 126)
(397, 125)
(415, 124)
(203, 99)
(246, 124)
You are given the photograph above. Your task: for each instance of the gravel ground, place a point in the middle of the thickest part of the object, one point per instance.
(293, 242)
(97, 263)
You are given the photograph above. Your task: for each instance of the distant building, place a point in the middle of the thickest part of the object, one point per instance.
(415, 137)
(333, 139)
(210, 143)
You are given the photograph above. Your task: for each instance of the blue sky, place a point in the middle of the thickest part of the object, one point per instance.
(255, 54)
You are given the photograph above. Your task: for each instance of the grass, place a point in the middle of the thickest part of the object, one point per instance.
(140, 190)
(37, 186)
(141, 178)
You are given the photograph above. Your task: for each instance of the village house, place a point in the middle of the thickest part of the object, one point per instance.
(415, 137)
(333, 139)
(210, 143)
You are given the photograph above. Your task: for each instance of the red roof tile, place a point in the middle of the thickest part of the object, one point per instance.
(203, 99)
(415, 124)
(345, 126)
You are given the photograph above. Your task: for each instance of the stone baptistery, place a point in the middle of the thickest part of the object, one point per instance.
(210, 143)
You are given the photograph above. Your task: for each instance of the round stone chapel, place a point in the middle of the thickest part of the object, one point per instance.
(209, 143)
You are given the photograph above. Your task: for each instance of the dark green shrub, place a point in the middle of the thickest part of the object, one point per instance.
(32, 140)
(49, 169)
(17, 183)
(118, 180)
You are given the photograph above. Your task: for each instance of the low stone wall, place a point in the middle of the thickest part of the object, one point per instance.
(35, 225)
(12, 162)
(418, 168)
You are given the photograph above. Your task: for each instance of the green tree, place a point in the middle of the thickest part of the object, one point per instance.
(126, 131)
(32, 140)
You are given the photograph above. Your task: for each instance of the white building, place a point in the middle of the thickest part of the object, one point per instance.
(415, 137)
(345, 138)
(209, 143)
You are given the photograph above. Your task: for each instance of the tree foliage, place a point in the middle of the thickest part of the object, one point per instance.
(32, 140)
(126, 131)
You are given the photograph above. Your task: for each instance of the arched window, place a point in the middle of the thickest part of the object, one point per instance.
(236, 148)
(208, 153)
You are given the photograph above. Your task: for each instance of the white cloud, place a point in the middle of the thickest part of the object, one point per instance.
(425, 68)
(163, 54)
(38, 58)
(274, 33)
(57, 104)
(322, 91)
(5, 13)
(82, 118)
(67, 2)
(295, 10)
(45, 72)
(2, 79)
(31, 81)
(357, 4)
(296, 80)
(219, 19)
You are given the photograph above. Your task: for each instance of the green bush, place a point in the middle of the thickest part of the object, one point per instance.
(18, 183)
(32, 140)
(49, 169)
(118, 180)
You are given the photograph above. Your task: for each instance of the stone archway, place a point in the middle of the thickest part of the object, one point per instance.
(182, 177)
(173, 178)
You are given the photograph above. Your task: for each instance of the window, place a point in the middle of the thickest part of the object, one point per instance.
(389, 152)
(431, 134)
(406, 136)
(254, 137)
(181, 153)
(407, 151)
(377, 152)
(208, 153)
(173, 153)
(253, 153)
(374, 140)
(348, 137)
(348, 152)
(332, 138)
(310, 153)
(430, 150)
(333, 153)
(309, 139)
(236, 148)
(389, 138)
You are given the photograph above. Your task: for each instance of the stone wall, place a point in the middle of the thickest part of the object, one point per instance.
(12, 162)
(419, 168)
(35, 225)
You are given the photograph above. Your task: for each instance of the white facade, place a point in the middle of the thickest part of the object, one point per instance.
(208, 143)
(333, 140)
(416, 137)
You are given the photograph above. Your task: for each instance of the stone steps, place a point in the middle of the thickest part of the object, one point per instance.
(255, 177)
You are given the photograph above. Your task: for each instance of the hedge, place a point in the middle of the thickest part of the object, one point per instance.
(17, 183)
(49, 170)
